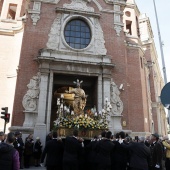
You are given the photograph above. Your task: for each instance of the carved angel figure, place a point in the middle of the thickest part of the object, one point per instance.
(30, 98)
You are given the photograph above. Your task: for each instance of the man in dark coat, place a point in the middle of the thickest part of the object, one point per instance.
(54, 151)
(9, 157)
(49, 137)
(104, 149)
(140, 154)
(156, 153)
(91, 154)
(19, 146)
(72, 152)
(120, 155)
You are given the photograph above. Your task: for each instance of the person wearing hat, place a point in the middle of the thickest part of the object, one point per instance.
(2, 137)
(19, 146)
(37, 151)
(156, 153)
(166, 144)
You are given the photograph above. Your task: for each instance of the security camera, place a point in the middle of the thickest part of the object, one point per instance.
(121, 87)
(167, 106)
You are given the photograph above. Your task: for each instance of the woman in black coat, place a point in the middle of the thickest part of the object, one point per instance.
(37, 151)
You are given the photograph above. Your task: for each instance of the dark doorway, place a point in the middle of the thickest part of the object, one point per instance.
(89, 85)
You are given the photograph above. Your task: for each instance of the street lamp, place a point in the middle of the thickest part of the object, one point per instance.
(161, 49)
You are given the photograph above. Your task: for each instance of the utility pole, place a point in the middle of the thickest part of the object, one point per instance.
(162, 53)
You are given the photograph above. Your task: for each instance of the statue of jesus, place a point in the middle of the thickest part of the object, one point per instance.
(79, 102)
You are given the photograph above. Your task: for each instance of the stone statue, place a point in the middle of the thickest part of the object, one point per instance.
(117, 104)
(29, 101)
(79, 102)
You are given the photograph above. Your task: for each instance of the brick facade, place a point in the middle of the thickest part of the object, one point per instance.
(125, 51)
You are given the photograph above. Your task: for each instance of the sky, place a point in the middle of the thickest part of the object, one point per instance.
(147, 6)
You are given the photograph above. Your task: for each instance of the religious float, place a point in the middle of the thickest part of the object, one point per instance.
(71, 113)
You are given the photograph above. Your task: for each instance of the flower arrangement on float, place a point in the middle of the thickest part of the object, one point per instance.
(91, 119)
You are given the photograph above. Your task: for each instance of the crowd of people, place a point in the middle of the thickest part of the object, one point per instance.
(14, 151)
(103, 152)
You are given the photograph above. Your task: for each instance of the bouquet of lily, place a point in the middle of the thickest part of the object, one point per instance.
(90, 120)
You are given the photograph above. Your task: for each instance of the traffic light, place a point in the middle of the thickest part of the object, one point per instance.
(4, 111)
(6, 115)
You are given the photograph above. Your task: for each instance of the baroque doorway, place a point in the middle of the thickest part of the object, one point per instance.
(89, 85)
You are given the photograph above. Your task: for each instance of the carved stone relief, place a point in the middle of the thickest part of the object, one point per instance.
(35, 18)
(29, 101)
(79, 5)
(116, 7)
(118, 29)
(56, 39)
(54, 35)
(99, 39)
(35, 12)
(117, 104)
(117, 18)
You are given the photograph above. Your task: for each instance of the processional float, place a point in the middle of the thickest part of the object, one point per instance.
(71, 115)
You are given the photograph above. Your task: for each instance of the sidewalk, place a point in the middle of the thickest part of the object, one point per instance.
(36, 168)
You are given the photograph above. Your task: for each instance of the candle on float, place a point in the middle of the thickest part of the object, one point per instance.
(103, 111)
(65, 108)
(61, 106)
(95, 114)
(62, 96)
(85, 115)
(58, 101)
(72, 112)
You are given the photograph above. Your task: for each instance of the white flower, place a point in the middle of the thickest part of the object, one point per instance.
(108, 109)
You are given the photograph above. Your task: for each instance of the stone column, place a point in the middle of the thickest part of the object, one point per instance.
(50, 95)
(106, 94)
(99, 94)
(40, 126)
(106, 88)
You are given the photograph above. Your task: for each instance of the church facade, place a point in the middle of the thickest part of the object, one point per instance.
(107, 44)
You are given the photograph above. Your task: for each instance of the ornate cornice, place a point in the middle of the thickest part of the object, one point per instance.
(116, 2)
(64, 10)
(47, 1)
(13, 27)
